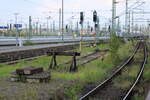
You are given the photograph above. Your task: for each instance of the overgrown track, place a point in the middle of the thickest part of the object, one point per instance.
(129, 93)
(89, 57)
(116, 73)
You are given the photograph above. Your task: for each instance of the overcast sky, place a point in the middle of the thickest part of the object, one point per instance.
(42, 8)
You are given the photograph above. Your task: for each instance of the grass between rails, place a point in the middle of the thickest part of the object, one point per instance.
(141, 90)
(146, 74)
(127, 78)
(143, 87)
(130, 72)
(125, 50)
(86, 50)
(88, 73)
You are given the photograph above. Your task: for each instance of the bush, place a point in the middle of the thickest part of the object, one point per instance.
(114, 46)
(71, 92)
(28, 43)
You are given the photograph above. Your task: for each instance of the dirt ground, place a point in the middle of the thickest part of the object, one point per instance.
(54, 90)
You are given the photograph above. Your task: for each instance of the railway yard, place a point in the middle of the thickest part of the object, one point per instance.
(92, 75)
(75, 50)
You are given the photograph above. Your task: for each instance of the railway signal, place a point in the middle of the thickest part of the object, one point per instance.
(95, 16)
(95, 20)
(81, 23)
(66, 28)
(10, 26)
(81, 17)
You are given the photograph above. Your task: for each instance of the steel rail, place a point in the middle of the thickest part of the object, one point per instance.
(93, 91)
(128, 94)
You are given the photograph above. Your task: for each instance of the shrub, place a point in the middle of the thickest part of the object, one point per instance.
(114, 46)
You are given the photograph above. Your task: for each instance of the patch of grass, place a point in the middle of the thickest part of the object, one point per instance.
(64, 75)
(127, 77)
(93, 71)
(42, 61)
(71, 92)
(5, 70)
(86, 50)
(28, 43)
(138, 97)
(96, 70)
(146, 74)
(2, 97)
(124, 51)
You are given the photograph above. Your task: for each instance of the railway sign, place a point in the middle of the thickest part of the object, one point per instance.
(4, 27)
(18, 25)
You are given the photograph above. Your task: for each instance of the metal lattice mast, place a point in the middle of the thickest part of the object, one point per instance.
(113, 16)
(132, 22)
(62, 20)
(131, 8)
(126, 17)
(30, 28)
(59, 20)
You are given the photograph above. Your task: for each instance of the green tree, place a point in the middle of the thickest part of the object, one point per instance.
(114, 46)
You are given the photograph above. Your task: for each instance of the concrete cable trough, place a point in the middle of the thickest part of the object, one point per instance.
(31, 75)
(14, 54)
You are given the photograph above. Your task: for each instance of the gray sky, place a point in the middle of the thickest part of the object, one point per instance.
(42, 8)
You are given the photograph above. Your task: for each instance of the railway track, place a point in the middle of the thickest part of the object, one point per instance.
(106, 82)
(89, 57)
(140, 73)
